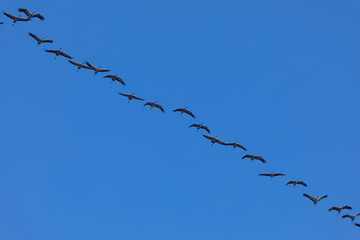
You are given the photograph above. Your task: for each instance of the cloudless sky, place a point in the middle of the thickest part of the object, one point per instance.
(77, 161)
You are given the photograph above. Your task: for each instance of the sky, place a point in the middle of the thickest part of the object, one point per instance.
(77, 161)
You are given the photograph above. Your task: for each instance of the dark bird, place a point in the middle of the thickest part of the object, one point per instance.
(115, 78)
(31, 15)
(58, 52)
(296, 182)
(357, 224)
(339, 209)
(131, 96)
(1, 22)
(314, 200)
(271, 175)
(154, 104)
(198, 126)
(214, 140)
(352, 217)
(252, 157)
(40, 40)
(96, 70)
(16, 19)
(79, 65)
(184, 110)
(235, 145)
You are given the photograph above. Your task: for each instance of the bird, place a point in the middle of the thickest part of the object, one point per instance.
(154, 104)
(96, 70)
(296, 182)
(352, 217)
(131, 96)
(235, 145)
(79, 65)
(115, 78)
(58, 52)
(31, 15)
(271, 175)
(16, 19)
(198, 126)
(214, 140)
(252, 157)
(184, 110)
(315, 200)
(339, 209)
(40, 40)
(357, 224)
(1, 22)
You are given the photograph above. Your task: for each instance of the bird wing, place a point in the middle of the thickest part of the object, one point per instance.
(309, 197)
(125, 95)
(242, 147)
(47, 41)
(322, 197)
(38, 15)
(302, 183)
(347, 216)
(220, 142)
(160, 107)
(148, 103)
(290, 182)
(246, 156)
(206, 128)
(259, 158)
(90, 65)
(10, 16)
(334, 208)
(265, 174)
(357, 214)
(178, 110)
(24, 10)
(190, 113)
(137, 98)
(278, 174)
(52, 51)
(109, 76)
(65, 54)
(208, 137)
(104, 70)
(194, 125)
(357, 224)
(76, 64)
(347, 207)
(34, 36)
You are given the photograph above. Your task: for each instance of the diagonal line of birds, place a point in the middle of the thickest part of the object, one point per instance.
(213, 140)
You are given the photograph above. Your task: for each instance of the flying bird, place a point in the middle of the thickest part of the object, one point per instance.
(271, 175)
(154, 104)
(115, 78)
(1, 22)
(252, 157)
(131, 97)
(296, 182)
(40, 40)
(314, 200)
(214, 140)
(31, 15)
(58, 52)
(352, 217)
(339, 209)
(96, 70)
(235, 145)
(79, 65)
(184, 110)
(16, 19)
(198, 126)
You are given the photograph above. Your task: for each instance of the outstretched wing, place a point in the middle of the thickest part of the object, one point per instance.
(290, 182)
(220, 142)
(260, 158)
(190, 113)
(160, 107)
(47, 41)
(38, 15)
(346, 207)
(347, 216)
(309, 197)
(24, 10)
(137, 98)
(208, 137)
(322, 197)
(246, 156)
(357, 224)
(65, 54)
(104, 70)
(125, 95)
(265, 174)
(90, 65)
(10, 16)
(194, 125)
(206, 128)
(242, 147)
(178, 110)
(34, 36)
(334, 208)
(52, 51)
(302, 183)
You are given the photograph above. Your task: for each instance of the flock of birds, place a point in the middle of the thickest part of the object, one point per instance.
(96, 70)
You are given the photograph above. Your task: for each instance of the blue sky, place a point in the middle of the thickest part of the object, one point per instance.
(279, 77)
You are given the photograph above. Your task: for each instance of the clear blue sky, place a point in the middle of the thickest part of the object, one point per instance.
(77, 161)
